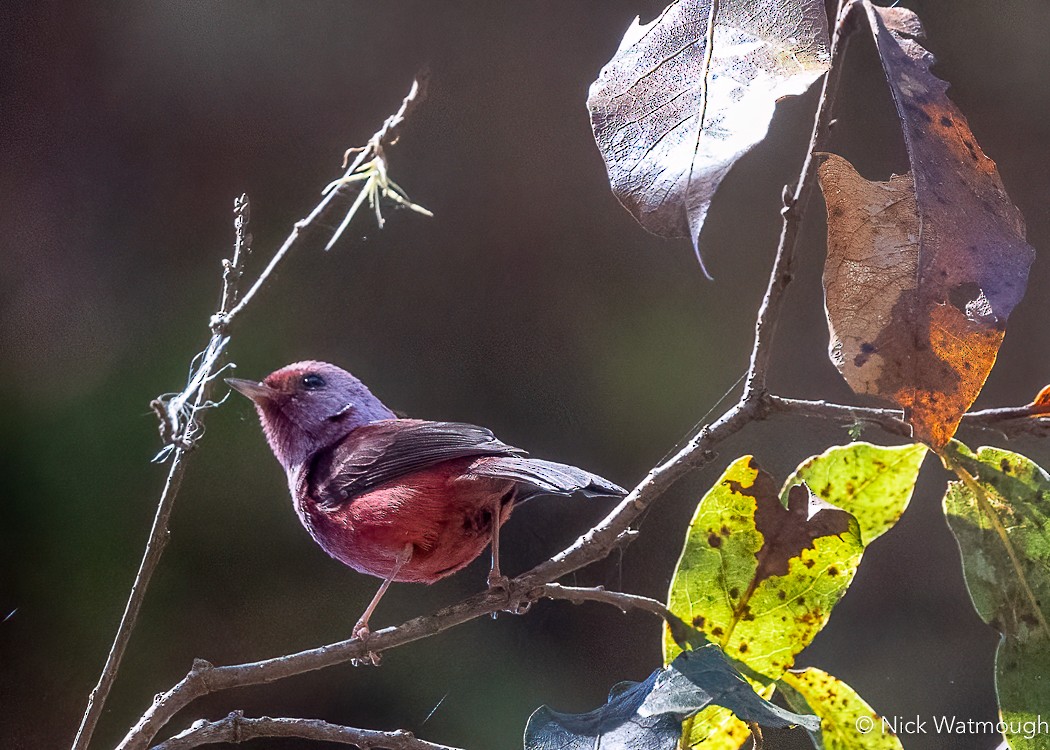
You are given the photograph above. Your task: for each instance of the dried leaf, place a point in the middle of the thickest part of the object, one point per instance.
(924, 270)
(671, 116)
(1041, 403)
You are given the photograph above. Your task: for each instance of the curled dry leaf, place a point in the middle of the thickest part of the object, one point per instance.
(924, 270)
(690, 93)
(1041, 403)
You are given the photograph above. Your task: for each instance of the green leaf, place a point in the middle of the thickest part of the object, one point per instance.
(648, 715)
(847, 721)
(872, 482)
(998, 511)
(760, 578)
(716, 728)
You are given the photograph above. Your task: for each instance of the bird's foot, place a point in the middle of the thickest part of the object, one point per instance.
(371, 659)
(516, 604)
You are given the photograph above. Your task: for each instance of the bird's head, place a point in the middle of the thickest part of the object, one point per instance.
(307, 406)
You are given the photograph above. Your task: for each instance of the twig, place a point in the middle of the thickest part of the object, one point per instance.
(180, 414)
(385, 136)
(181, 426)
(794, 208)
(623, 602)
(237, 728)
(1011, 421)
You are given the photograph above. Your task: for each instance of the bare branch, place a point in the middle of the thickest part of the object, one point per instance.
(180, 414)
(375, 150)
(180, 426)
(204, 678)
(794, 207)
(1010, 422)
(237, 728)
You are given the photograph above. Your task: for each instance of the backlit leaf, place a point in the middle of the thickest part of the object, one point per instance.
(759, 578)
(671, 115)
(872, 482)
(715, 728)
(924, 270)
(999, 512)
(839, 708)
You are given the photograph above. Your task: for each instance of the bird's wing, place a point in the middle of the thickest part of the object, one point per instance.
(543, 477)
(382, 451)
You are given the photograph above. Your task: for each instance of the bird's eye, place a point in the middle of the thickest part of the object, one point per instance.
(313, 382)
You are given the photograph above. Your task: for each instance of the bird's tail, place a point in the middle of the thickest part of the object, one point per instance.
(538, 477)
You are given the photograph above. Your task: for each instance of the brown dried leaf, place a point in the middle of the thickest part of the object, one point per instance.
(888, 338)
(670, 119)
(924, 270)
(1042, 401)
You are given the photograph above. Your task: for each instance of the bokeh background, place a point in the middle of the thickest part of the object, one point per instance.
(531, 303)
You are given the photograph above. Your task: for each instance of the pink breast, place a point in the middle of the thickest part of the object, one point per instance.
(447, 522)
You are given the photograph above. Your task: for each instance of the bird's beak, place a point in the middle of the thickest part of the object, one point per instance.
(255, 391)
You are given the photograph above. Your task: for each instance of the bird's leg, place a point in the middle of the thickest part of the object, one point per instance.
(361, 630)
(496, 579)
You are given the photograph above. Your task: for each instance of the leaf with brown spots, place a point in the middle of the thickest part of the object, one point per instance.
(767, 586)
(873, 482)
(923, 270)
(839, 708)
(687, 95)
(999, 511)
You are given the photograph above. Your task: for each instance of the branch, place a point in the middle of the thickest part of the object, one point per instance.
(680, 631)
(181, 414)
(1012, 421)
(795, 207)
(180, 427)
(237, 728)
(385, 136)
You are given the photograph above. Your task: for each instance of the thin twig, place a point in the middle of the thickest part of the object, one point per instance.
(794, 208)
(623, 602)
(385, 136)
(1012, 421)
(180, 418)
(237, 728)
(180, 414)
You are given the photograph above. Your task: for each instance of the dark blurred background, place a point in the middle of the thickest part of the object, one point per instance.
(531, 303)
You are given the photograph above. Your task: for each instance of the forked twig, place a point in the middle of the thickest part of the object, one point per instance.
(180, 414)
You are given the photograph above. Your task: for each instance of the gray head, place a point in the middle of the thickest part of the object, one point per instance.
(307, 406)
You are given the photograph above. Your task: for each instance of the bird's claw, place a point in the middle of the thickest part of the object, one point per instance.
(516, 604)
(371, 659)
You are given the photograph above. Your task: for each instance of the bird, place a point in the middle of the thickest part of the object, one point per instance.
(405, 500)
